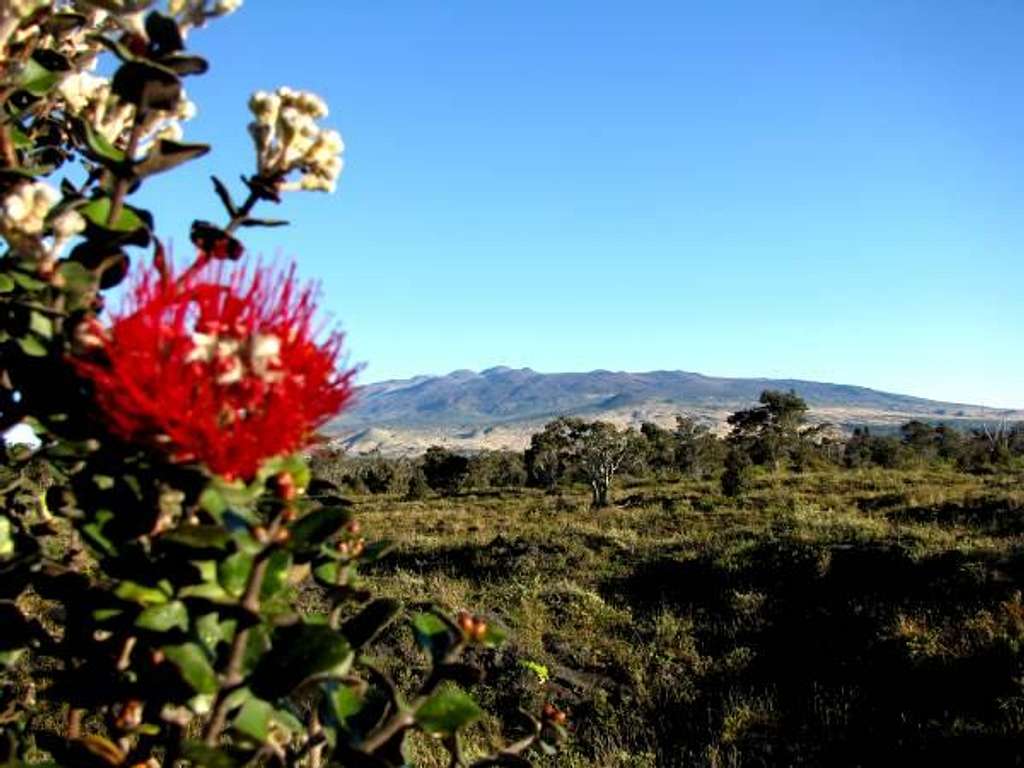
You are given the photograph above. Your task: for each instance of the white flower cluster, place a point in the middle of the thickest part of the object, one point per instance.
(12, 13)
(89, 97)
(24, 213)
(195, 13)
(288, 139)
(25, 209)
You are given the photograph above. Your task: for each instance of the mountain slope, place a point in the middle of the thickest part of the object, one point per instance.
(500, 407)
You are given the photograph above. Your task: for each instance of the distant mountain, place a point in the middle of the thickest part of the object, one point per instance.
(501, 407)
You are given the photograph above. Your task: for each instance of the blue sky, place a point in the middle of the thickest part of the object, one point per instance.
(821, 190)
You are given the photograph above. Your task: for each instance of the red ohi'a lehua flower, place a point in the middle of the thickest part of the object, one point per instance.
(221, 365)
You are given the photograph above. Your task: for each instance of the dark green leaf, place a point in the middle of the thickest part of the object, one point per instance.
(433, 634)
(183, 65)
(298, 653)
(167, 154)
(369, 622)
(251, 222)
(205, 538)
(163, 33)
(146, 85)
(114, 46)
(225, 196)
(314, 529)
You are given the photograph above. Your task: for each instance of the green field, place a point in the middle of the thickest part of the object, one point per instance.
(837, 618)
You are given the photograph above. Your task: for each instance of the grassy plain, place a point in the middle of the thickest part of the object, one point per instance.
(862, 617)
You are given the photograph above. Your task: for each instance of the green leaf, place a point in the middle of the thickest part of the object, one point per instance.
(211, 631)
(193, 665)
(37, 79)
(343, 702)
(433, 634)
(219, 498)
(32, 346)
(298, 653)
(308, 533)
(448, 710)
(198, 537)
(494, 636)
(162, 618)
(40, 325)
(26, 281)
(76, 276)
(94, 532)
(102, 149)
(141, 594)
(276, 577)
(6, 283)
(6, 542)
(233, 573)
(369, 622)
(98, 211)
(20, 139)
(253, 719)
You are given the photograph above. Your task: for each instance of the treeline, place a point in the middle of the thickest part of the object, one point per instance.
(773, 435)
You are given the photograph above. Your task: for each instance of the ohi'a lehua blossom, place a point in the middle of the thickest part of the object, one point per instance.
(222, 366)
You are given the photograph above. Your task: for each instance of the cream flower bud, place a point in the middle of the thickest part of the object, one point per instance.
(224, 7)
(81, 89)
(67, 225)
(185, 109)
(170, 131)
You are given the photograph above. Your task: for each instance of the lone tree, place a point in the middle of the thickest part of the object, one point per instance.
(770, 431)
(593, 450)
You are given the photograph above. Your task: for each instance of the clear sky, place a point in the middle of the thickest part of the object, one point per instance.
(822, 190)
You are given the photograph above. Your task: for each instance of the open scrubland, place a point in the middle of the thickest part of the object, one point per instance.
(834, 617)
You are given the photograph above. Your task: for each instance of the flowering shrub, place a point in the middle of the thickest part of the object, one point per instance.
(154, 535)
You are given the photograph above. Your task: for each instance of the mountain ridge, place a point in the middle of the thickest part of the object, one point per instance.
(500, 406)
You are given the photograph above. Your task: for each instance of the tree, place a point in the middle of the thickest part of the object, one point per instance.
(920, 439)
(736, 478)
(593, 450)
(769, 432)
(600, 449)
(545, 458)
(444, 470)
(659, 447)
(698, 450)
